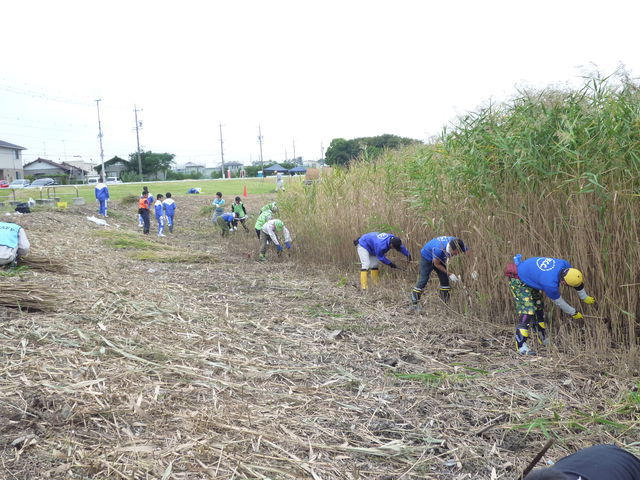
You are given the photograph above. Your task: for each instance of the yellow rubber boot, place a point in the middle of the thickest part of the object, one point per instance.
(375, 276)
(363, 279)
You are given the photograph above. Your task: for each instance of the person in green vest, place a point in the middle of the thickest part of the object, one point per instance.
(13, 243)
(263, 218)
(239, 209)
(269, 206)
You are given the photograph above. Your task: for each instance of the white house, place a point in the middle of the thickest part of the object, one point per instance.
(10, 161)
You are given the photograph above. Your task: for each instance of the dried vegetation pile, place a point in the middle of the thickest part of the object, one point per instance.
(232, 368)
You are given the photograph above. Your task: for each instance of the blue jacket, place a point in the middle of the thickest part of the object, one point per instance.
(157, 207)
(378, 244)
(543, 273)
(169, 207)
(436, 248)
(102, 192)
(228, 217)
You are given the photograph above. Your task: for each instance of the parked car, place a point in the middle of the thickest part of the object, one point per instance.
(42, 182)
(112, 180)
(20, 183)
(4, 184)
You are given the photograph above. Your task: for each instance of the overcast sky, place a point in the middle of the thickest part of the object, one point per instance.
(305, 71)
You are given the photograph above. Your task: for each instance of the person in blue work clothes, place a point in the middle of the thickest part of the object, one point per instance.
(170, 206)
(225, 222)
(102, 197)
(434, 256)
(372, 248)
(158, 209)
(599, 462)
(527, 280)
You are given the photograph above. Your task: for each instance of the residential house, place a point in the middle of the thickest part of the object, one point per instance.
(41, 167)
(312, 163)
(10, 161)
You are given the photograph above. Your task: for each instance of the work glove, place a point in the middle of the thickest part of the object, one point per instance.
(393, 265)
(287, 244)
(577, 316)
(474, 275)
(589, 300)
(279, 248)
(454, 278)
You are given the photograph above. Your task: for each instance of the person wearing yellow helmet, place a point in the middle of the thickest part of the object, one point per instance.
(270, 232)
(527, 280)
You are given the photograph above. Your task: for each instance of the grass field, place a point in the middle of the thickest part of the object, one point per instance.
(229, 188)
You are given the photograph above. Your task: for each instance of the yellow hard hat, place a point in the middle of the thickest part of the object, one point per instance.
(573, 277)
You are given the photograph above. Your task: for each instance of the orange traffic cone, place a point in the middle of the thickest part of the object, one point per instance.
(244, 194)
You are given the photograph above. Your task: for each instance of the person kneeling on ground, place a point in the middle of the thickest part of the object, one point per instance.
(270, 231)
(372, 248)
(435, 255)
(527, 280)
(599, 462)
(13, 243)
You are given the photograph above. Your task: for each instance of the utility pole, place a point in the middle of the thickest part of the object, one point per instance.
(221, 151)
(102, 172)
(294, 150)
(321, 152)
(138, 125)
(260, 140)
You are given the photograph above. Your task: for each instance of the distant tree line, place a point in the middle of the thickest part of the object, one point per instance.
(341, 151)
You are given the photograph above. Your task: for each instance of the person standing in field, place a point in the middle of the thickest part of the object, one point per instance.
(434, 256)
(218, 207)
(158, 208)
(143, 211)
(372, 248)
(279, 182)
(599, 462)
(527, 280)
(150, 200)
(270, 232)
(239, 209)
(13, 243)
(169, 210)
(102, 197)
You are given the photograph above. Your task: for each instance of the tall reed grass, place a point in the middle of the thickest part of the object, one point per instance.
(549, 173)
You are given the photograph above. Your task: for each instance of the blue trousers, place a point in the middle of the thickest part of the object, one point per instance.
(103, 207)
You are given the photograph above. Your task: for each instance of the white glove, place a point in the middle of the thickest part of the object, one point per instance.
(474, 275)
(453, 278)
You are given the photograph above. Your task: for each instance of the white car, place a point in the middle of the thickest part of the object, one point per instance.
(113, 180)
(21, 183)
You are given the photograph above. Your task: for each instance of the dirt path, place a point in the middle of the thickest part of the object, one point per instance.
(241, 369)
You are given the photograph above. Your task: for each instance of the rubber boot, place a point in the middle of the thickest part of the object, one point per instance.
(170, 228)
(416, 293)
(363, 280)
(375, 276)
(522, 335)
(541, 327)
(444, 294)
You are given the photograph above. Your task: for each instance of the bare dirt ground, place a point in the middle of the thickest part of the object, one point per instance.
(240, 369)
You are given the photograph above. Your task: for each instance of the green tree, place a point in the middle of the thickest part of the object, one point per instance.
(152, 163)
(341, 151)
